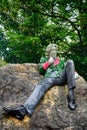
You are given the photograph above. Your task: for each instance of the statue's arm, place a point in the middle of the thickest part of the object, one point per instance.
(43, 65)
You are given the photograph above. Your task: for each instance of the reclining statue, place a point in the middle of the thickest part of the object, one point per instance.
(56, 72)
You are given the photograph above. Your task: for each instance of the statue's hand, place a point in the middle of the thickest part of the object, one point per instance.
(51, 60)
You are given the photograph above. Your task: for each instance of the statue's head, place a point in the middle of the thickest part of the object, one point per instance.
(51, 50)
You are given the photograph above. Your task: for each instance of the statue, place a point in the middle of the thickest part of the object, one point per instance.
(56, 72)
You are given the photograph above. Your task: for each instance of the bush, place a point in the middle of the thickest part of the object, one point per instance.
(2, 62)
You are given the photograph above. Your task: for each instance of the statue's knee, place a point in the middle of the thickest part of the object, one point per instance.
(70, 62)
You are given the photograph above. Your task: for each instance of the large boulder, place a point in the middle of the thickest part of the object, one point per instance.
(17, 81)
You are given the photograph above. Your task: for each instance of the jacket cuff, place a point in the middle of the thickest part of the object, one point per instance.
(46, 65)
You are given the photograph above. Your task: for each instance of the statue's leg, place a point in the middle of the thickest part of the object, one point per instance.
(70, 70)
(38, 93)
(68, 76)
(30, 104)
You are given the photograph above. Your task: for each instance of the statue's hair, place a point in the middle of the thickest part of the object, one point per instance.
(51, 47)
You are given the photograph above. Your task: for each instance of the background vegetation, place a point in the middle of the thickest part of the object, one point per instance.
(28, 26)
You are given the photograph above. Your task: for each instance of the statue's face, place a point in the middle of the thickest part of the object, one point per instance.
(53, 53)
(51, 50)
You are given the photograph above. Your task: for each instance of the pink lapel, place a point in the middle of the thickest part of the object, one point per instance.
(56, 61)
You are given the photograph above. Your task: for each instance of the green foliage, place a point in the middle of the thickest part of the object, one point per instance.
(21, 48)
(80, 57)
(2, 62)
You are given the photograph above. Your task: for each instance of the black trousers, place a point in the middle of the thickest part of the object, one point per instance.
(67, 77)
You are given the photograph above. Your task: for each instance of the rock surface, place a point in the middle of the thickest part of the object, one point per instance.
(17, 82)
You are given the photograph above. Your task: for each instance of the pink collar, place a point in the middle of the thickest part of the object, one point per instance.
(56, 61)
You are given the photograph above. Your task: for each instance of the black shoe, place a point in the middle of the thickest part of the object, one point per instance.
(18, 112)
(71, 103)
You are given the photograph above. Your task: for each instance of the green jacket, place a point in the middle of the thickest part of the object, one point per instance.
(51, 70)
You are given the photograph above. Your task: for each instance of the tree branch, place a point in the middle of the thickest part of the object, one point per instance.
(55, 15)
